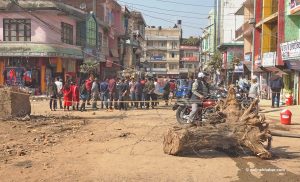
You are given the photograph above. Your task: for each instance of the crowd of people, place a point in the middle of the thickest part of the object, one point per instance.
(113, 93)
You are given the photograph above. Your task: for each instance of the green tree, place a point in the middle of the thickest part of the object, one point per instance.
(215, 63)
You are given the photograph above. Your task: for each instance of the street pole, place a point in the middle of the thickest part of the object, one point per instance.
(253, 39)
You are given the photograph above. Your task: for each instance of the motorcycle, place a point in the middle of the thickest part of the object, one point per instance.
(183, 108)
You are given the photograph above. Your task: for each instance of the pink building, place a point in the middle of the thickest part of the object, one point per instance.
(38, 45)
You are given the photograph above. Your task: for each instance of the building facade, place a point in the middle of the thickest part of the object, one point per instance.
(135, 43)
(189, 61)
(226, 42)
(39, 44)
(290, 48)
(162, 53)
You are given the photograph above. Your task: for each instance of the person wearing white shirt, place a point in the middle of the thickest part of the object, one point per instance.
(59, 86)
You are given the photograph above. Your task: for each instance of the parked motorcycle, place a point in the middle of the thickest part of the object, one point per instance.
(183, 108)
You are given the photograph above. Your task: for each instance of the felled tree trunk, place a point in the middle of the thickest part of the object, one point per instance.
(240, 129)
(14, 103)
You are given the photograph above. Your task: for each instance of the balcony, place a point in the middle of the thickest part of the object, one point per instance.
(244, 30)
(157, 48)
(157, 69)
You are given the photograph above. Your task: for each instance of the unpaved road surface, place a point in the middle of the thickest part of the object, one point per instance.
(124, 146)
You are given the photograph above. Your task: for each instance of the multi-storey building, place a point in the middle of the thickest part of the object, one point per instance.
(189, 58)
(225, 25)
(110, 23)
(208, 45)
(162, 50)
(38, 42)
(290, 48)
(135, 42)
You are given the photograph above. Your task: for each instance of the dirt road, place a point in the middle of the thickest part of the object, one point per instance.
(124, 146)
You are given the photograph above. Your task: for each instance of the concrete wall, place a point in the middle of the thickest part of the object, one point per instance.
(230, 22)
(292, 25)
(40, 32)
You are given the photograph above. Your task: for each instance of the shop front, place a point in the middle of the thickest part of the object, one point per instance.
(34, 65)
(291, 56)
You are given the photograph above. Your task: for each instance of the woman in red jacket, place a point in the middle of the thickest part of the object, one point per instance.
(67, 96)
(75, 96)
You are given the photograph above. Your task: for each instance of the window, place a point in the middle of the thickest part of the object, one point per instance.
(92, 32)
(174, 45)
(80, 33)
(173, 66)
(188, 54)
(17, 30)
(66, 33)
(173, 55)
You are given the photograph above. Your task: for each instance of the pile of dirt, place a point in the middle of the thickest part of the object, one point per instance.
(14, 103)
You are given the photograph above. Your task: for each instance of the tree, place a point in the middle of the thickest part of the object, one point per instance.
(215, 63)
(191, 41)
(89, 67)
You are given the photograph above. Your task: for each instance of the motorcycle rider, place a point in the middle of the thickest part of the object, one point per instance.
(200, 90)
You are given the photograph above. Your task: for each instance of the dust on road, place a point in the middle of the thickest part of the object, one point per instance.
(122, 146)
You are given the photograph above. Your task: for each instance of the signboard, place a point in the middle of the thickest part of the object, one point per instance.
(192, 58)
(247, 57)
(157, 58)
(189, 48)
(239, 68)
(290, 50)
(269, 59)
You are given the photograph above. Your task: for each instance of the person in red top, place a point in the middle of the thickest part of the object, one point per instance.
(67, 96)
(172, 88)
(112, 93)
(88, 85)
(75, 95)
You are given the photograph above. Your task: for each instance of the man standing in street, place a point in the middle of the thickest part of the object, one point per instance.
(88, 84)
(112, 91)
(104, 93)
(276, 85)
(59, 86)
(95, 93)
(123, 91)
(149, 90)
(52, 92)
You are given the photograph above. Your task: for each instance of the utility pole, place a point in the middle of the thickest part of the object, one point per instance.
(253, 38)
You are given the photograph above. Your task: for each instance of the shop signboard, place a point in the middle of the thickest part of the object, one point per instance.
(239, 68)
(247, 57)
(157, 58)
(290, 50)
(192, 58)
(269, 59)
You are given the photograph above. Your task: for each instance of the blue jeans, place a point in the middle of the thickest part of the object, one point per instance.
(133, 98)
(104, 100)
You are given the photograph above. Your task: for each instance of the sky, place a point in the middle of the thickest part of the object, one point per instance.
(193, 13)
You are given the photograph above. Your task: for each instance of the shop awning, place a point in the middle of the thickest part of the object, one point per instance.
(11, 49)
(274, 69)
(248, 65)
(293, 65)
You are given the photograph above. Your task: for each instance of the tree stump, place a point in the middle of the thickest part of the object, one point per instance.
(230, 128)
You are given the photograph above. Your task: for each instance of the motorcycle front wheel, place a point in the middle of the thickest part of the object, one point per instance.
(182, 114)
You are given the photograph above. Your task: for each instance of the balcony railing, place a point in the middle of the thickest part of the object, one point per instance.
(242, 30)
(239, 32)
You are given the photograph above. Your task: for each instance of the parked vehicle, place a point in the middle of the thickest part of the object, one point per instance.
(183, 108)
(182, 90)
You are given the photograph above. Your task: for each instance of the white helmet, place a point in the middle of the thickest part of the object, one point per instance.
(201, 75)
